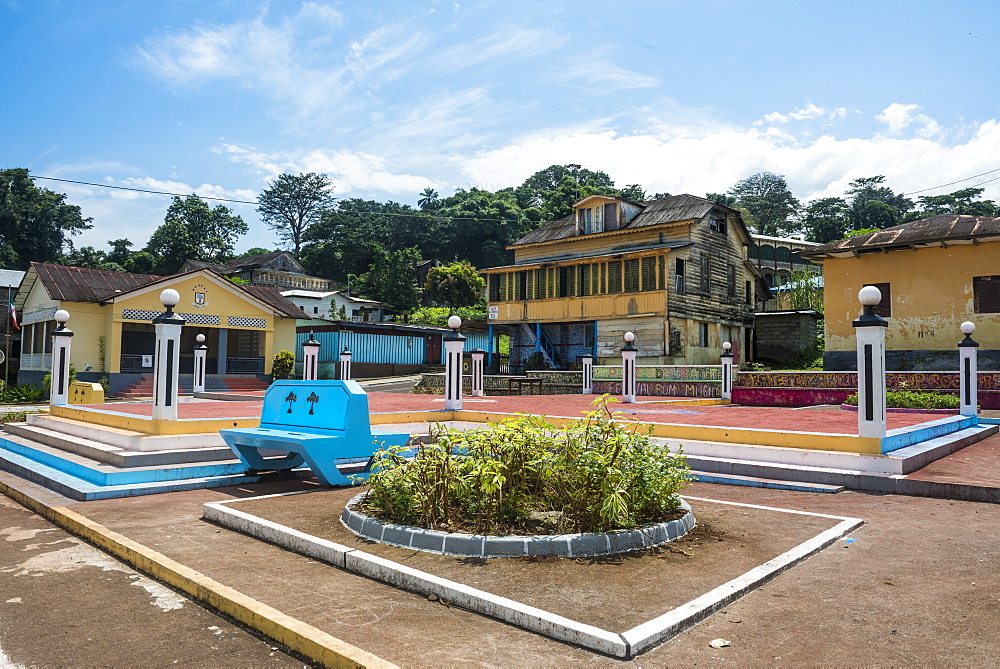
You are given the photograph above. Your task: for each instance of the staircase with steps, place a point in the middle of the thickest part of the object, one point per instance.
(213, 383)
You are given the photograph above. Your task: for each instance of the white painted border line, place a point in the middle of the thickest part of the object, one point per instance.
(627, 644)
(414, 580)
(648, 634)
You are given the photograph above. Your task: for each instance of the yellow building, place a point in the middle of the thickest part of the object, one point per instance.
(674, 271)
(111, 313)
(933, 273)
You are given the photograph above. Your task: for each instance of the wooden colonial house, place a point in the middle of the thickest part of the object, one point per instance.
(674, 271)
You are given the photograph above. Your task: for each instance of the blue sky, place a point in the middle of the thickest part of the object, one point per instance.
(390, 97)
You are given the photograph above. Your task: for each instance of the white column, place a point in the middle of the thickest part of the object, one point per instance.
(478, 355)
(454, 344)
(62, 337)
(200, 355)
(968, 388)
(310, 359)
(166, 366)
(628, 369)
(727, 371)
(870, 333)
(345, 365)
(588, 374)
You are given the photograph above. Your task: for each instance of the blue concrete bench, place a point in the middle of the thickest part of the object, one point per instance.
(319, 423)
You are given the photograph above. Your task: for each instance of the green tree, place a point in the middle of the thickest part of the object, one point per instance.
(120, 253)
(633, 193)
(343, 241)
(192, 230)
(874, 205)
(428, 199)
(826, 219)
(290, 204)
(721, 198)
(771, 204)
(392, 278)
(455, 285)
(35, 223)
(256, 251)
(536, 189)
(482, 224)
(961, 202)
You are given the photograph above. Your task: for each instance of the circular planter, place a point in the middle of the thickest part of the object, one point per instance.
(490, 546)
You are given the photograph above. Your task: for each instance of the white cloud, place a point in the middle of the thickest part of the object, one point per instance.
(716, 158)
(599, 75)
(807, 113)
(899, 117)
(350, 172)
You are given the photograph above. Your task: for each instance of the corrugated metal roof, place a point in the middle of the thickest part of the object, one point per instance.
(672, 209)
(81, 284)
(914, 234)
(10, 278)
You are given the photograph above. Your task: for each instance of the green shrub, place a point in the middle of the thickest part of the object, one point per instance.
(601, 475)
(282, 365)
(13, 417)
(915, 399)
(23, 394)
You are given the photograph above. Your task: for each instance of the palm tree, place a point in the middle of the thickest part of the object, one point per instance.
(428, 199)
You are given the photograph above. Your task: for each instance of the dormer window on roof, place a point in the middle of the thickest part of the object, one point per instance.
(598, 213)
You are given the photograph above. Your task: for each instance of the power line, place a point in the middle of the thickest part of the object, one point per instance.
(419, 214)
(952, 183)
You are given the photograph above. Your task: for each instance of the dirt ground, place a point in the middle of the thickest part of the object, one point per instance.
(727, 541)
(920, 585)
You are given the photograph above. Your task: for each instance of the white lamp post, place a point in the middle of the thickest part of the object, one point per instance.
(310, 358)
(727, 371)
(345, 365)
(454, 344)
(628, 369)
(62, 337)
(588, 373)
(168, 327)
(968, 372)
(870, 333)
(200, 353)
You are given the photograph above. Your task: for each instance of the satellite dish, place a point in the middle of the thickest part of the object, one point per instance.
(2, 357)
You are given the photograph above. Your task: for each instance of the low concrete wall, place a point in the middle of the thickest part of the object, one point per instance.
(911, 361)
(792, 389)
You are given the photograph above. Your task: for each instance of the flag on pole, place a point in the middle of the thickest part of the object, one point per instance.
(13, 315)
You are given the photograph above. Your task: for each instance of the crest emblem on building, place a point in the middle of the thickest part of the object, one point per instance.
(200, 301)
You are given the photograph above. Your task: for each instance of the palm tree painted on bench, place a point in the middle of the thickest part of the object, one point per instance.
(292, 398)
(312, 399)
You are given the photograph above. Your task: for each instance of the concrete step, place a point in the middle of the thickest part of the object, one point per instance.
(758, 482)
(79, 489)
(102, 474)
(109, 453)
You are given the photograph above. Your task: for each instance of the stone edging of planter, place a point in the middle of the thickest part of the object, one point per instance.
(472, 545)
(851, 407)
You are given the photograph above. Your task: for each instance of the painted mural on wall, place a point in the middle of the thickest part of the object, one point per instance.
(895, 380)
(662, 388)
(661, 372)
